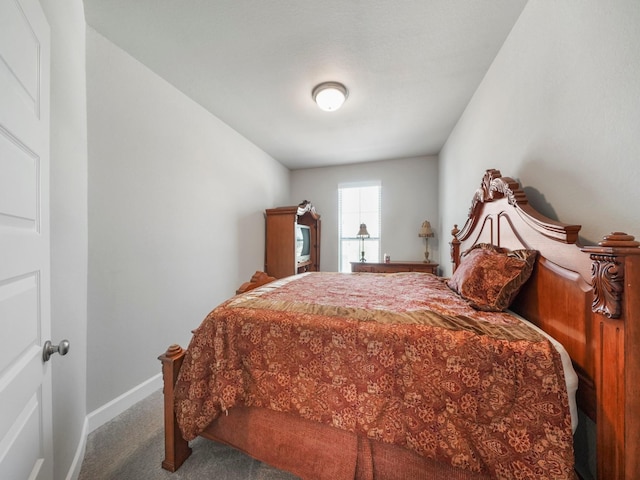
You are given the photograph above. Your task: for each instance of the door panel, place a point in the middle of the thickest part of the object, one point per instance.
(18, 299)
(20, 49)
(18, 184)
(22, 444)
(25, 380)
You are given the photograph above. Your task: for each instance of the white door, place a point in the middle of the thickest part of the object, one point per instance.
(25, 380)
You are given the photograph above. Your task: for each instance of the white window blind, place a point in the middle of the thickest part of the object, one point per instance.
(358, 203)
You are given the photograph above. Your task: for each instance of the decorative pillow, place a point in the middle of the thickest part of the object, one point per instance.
(487, 246)
(490, 278)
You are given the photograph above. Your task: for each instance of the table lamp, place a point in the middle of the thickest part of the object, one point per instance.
(362, 234)
(426, 232)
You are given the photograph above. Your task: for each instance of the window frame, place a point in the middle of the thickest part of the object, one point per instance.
(373, 243)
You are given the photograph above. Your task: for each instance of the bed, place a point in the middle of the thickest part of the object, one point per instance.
(359, 389)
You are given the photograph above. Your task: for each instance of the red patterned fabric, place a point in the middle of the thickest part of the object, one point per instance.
(491, 278)
(395, 357)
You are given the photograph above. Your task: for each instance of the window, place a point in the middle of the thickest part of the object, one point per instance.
(358, 204)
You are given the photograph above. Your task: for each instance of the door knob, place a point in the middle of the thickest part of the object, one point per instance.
(50, 349)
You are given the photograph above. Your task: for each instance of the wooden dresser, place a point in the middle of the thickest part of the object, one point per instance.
(394, 266)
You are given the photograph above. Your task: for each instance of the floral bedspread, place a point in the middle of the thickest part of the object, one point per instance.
(395, 357)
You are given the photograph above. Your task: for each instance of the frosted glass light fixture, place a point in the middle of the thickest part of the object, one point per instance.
(330, 95)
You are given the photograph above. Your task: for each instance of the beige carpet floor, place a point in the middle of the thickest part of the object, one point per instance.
(131, 447)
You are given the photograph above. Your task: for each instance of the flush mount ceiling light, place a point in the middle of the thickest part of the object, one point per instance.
(330, 95)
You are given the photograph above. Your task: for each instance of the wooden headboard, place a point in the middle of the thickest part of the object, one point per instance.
(588, 298)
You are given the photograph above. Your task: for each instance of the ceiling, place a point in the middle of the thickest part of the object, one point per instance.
(410, 66)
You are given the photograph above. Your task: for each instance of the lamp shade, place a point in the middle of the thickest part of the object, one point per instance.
(362, 233)
(329, 95)
(425, 230)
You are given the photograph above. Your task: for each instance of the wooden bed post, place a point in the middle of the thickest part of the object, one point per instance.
(616, 301)
(455, 247)
(176, 448)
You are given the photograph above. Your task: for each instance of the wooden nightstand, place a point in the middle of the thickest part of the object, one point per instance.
(394, 266)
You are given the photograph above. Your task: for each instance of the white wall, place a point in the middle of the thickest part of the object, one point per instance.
(409, 196)
(558, 110)
(176, 202)
(68, 226)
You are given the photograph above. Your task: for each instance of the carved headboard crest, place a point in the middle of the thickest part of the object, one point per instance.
(494, 186)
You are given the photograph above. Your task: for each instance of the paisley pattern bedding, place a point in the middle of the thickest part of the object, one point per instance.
(398, 358)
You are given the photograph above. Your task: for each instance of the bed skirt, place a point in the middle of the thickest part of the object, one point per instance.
(314, 451)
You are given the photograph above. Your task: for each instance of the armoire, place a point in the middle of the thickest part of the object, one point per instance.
(280, 240)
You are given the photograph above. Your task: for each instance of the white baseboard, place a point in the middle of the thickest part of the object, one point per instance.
(76, 465)
(115, 407)
(108, 412)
